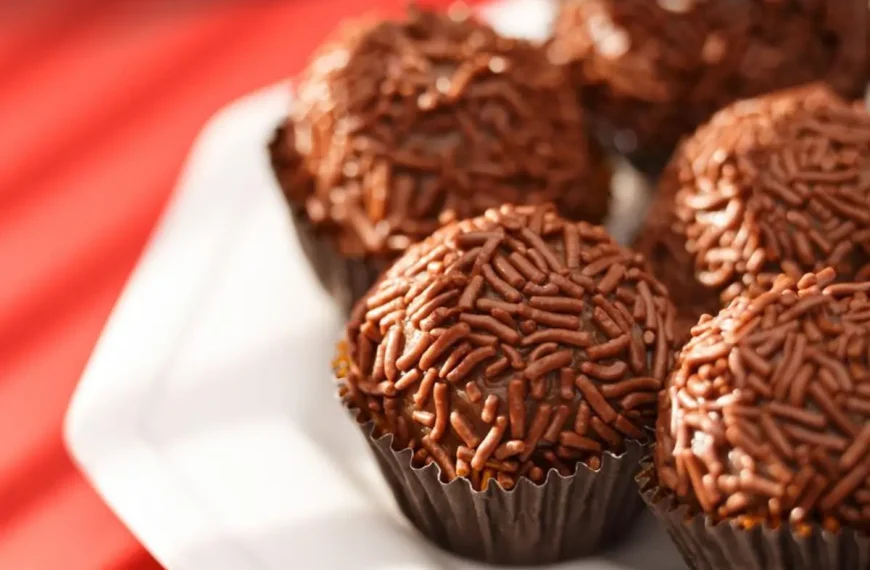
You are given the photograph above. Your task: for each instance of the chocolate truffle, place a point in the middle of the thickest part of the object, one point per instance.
(776, 184)
(766, 416)
(517, 337)
(509, 345)
(399, 126)
(651, 71)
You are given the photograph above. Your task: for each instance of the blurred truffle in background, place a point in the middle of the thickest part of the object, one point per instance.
(400, 126)
(775, 184)
(653, 70)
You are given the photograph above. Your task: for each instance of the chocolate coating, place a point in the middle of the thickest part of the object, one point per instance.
(398, 127)
(776, 184)
(767, 413)
(510, 344)
(652, 71)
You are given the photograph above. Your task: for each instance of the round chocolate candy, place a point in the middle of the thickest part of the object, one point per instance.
(651, 71)
(399, 126)
(776, 184)
(766, 416)
(510, 344)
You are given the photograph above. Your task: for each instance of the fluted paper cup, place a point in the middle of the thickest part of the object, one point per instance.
(728, 545)
(559, 519)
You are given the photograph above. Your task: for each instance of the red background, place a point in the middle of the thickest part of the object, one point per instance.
(99, 103)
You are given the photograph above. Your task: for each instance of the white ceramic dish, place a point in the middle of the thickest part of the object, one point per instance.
(206, 418)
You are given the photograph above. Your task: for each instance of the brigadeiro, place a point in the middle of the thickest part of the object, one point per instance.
(651, 71)
(399, 126)
(776, 184)
(506, 370)
(762, 455)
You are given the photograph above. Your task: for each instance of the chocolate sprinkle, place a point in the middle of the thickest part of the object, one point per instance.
(652, 71)
(803, 455)
(398, 126)
(776, 184)
(555, 396)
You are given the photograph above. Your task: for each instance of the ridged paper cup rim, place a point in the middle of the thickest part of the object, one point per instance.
(706, 544)
(561, 518)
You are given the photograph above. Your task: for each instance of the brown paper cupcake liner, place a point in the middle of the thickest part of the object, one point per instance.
(559, 519)
(345, 279)
(707, 545)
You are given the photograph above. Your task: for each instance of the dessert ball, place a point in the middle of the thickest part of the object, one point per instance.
(511, 344)
(399, 126)
(503, 361)
(776, 184)
(653, 70)
(766, 417)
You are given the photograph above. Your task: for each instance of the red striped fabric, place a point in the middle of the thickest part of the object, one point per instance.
(99, 103)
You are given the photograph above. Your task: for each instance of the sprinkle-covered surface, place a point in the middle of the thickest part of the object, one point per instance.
(653, 70)
(399, 126)
(775, 184)
(766, 416)
(510, 344)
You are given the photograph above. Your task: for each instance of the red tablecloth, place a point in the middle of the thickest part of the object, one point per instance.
(99, 103)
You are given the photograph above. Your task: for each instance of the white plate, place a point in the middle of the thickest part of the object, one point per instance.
(206, 417)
